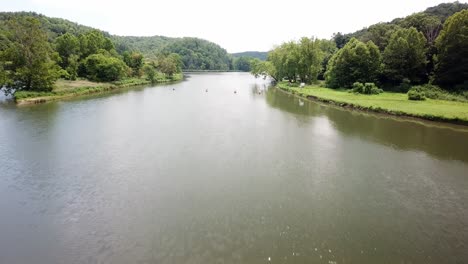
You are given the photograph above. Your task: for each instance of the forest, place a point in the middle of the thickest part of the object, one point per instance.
(421, 53)
(36, 50)
(426, 50)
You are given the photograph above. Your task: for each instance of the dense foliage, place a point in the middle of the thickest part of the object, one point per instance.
(196, 54)
(452, 44)
(414, 50)
(405, 56)
(26, 57)
(261, 55)
(35, 51)
(355, 62)
(300, 60)
(366, 88)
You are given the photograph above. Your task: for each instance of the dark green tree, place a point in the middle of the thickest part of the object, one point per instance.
(452, 44)
(104, 68)
(67, 45)
(340, 39)
(242, 64)
(28, 58)
(405, 56)
(379, 34)
(93, 41)
(355, 62)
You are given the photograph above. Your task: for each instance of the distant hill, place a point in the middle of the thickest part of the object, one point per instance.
(261, 55)
(196, 54)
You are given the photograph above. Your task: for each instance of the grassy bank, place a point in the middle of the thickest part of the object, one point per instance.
(389, 103)
(66, 89)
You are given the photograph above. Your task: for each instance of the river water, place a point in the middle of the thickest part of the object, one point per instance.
(221, 168)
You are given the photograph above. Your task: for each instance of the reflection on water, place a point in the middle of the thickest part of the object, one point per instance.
(440, 140)
(162, 175)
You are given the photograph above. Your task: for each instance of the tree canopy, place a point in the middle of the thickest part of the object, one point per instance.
(405, 56)
(452, 45)
(355, 62)
(27, 57)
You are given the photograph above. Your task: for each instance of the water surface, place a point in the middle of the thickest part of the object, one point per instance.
(195, 173)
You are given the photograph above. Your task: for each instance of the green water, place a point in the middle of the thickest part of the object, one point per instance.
(195, 173)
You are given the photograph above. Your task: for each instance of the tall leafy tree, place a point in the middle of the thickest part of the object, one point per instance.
(429, 25)
(28, 57)
(67, 45)
(379, 34)
(355, 62)
(285, 59)
(93, 41)
(405, 56)
(328, 48)
(310, 58)
(452, 44)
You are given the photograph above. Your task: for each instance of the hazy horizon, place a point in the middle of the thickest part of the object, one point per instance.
(237, 27)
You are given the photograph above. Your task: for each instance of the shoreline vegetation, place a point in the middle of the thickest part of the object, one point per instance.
(390, 103)
(411, 67)
(65, 89)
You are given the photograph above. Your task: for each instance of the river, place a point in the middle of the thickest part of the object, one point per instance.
(221, 168)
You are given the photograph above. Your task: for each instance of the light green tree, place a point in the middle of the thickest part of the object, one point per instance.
(310, 58)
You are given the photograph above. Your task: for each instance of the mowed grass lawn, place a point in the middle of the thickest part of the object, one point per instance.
(393, 103)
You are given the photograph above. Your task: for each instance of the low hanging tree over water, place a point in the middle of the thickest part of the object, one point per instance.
(27, 58)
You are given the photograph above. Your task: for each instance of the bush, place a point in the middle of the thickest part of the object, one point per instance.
(404, 86)
(434, 92)
(367, 88)
(103, 68)
(416, 94)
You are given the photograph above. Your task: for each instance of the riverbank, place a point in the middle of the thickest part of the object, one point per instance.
(67, 89)
(389, 103)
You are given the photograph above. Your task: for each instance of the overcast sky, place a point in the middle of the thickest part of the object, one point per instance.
(238, 25)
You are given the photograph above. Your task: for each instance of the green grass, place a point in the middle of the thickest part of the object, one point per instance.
(391, 103)
(66, 89)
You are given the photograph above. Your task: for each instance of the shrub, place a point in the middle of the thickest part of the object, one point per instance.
(102, 68)
(404, 86)
(434, 92)
(367, 88)
(416, 94)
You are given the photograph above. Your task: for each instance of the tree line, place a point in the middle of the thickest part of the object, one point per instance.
(32, 60)
(415, 50)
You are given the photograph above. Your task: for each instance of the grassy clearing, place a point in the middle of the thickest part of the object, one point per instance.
(66, 89)
(390, 103)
